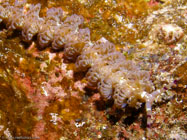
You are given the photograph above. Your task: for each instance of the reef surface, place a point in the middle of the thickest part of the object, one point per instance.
(93, 69)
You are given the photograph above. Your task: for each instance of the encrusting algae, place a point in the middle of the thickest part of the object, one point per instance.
(62, 38)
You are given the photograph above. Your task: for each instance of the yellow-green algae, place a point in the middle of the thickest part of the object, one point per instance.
(17, 113)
